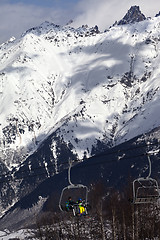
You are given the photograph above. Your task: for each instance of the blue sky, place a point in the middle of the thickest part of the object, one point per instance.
(17, 16)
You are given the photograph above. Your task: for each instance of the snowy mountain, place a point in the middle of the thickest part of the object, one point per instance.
(72, 93)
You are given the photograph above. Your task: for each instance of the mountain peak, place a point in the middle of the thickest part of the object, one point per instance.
(133, 15)
(158, 14)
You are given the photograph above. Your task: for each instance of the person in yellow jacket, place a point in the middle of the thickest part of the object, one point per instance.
(82, 210)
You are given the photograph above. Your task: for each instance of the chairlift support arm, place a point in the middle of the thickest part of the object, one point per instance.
(150, 169)
(72, 186)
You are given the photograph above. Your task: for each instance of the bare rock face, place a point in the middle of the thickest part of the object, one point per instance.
(133, 15)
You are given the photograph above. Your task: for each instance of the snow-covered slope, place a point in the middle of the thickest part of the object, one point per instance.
(80, 85)
(91, 86)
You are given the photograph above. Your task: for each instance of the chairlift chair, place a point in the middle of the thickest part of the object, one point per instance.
(75, 191)
(145, 189)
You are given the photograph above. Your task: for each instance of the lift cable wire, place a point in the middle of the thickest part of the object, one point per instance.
(9, 174)
(115, 152)
(81, 160)
(80, 166)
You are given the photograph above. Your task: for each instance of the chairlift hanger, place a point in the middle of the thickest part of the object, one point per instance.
(72, 186)
(145, 189)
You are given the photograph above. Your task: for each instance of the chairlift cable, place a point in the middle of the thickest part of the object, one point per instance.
(95, 156)
(88, 165)
(81, 160)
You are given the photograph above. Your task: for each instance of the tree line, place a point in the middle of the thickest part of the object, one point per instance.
(112, 217)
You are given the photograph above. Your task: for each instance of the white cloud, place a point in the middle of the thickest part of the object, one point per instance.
(105, 12)
(16, 18)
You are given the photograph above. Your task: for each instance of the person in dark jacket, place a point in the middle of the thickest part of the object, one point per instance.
(69, 204)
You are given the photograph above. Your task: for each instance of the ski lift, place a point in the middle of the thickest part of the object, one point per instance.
(74, 191)
(145, 189)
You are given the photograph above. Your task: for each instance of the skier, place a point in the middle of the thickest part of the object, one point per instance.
(82, 210)
(69, 204)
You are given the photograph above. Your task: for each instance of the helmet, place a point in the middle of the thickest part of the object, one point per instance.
(80, 199)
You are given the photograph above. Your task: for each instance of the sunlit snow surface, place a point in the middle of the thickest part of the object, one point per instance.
(90, 86)
(21, 235)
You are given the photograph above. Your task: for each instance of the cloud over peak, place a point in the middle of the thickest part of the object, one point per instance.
(19, 16)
